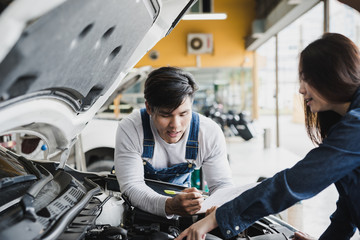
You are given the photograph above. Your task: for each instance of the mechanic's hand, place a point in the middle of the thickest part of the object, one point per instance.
(199, 229)
(302, 236)
(186, 203)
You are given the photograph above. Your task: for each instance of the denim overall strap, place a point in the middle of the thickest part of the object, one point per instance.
(192, 145)
(179, 174)
(148, 143)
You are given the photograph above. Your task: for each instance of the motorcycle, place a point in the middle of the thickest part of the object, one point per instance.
(231, 123)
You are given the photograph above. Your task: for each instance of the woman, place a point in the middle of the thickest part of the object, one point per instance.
(329, 71)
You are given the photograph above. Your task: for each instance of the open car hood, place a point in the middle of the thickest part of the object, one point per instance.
(61, 60)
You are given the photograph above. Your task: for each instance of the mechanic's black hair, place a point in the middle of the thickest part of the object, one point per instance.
(168, 87)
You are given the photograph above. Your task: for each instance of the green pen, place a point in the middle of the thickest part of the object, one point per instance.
(173, 192)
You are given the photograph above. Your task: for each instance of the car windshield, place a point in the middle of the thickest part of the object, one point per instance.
(12, 171)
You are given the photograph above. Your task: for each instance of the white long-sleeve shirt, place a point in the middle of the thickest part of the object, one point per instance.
(129, 168)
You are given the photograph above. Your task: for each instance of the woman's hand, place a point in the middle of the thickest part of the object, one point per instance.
(303, 236)
(199, 229)
(210, 210)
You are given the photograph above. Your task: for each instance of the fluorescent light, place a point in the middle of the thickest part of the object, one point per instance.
(205, 16)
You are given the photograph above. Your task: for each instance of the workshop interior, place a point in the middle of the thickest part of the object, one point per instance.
(71, 70)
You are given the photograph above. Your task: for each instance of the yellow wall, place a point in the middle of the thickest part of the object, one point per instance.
(228, 37)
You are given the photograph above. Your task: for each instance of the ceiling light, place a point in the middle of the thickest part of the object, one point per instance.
(205, 16)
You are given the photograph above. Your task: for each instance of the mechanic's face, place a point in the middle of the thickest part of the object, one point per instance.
(172, 126)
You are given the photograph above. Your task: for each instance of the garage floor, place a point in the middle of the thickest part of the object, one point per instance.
(249, 160)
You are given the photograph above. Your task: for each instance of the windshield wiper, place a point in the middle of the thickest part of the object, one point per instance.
(27, 200)
(5, 182)
(29, 165)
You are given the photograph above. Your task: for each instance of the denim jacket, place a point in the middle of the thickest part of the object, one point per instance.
(336, 160)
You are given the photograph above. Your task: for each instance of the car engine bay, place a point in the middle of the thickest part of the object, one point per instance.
(48, 202)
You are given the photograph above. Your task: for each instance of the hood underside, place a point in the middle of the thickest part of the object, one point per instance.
(76, 51)
(61, 60)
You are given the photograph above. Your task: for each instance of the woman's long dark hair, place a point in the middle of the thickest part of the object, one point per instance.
(331, 65)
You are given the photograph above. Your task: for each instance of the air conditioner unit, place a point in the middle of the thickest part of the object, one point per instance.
(199, 43)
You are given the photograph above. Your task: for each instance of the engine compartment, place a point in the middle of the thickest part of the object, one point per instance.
(43, 201)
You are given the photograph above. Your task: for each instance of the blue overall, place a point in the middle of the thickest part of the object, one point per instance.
(179, 174)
